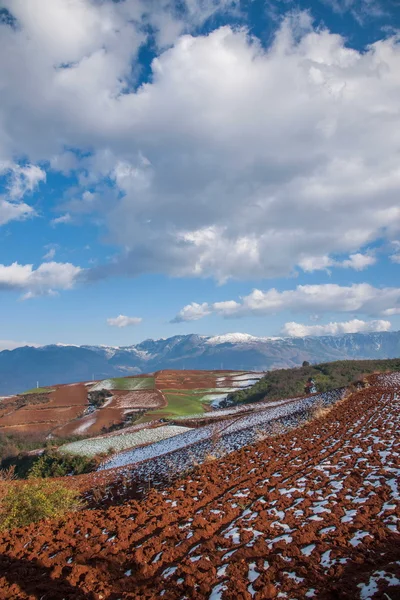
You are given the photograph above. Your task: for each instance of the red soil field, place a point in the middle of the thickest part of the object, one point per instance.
(312, 513)
(186, 380)
(62, 413)
(39, 430)
(113, 412)
(64, 405)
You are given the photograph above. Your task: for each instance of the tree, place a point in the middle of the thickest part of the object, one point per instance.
(305, 363)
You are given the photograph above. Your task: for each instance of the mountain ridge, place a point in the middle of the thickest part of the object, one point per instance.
(23, 367)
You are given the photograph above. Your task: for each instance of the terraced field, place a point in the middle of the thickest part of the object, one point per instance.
(310, 511)
(67, 410)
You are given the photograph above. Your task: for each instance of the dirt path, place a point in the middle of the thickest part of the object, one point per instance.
(312, 513)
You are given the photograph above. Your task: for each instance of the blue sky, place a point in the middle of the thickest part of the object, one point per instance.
(201, 166)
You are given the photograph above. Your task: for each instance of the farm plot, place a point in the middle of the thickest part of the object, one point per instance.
(194, 446)
(179, 403)
(38, 390)
(124, 383)
(45, 412)
(313, 513)
(93, 446)
(139, 400)
(239, 381)
(236, 410)
(114, 412)
(186, 380)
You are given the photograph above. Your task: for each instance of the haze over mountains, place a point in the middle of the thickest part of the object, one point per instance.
(22, 368)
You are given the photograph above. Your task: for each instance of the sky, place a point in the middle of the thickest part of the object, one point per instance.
(198, 166)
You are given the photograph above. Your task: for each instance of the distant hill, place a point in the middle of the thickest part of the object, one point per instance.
(21, 368)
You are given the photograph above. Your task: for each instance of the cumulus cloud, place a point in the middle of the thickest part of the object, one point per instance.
(362, 297)
(24, 179)
(61, 220)
(19, 181)
(232, 160)
(357, 261)
(293, 329)
(192, 312)
(13, 211)
(124, 321)
(48, 278)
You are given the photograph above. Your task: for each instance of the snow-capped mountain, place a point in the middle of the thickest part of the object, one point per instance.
(21, 368)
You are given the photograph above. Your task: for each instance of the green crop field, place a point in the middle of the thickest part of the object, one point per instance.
(185, 403)
(124, 383)
(40, 390)
(136, 383)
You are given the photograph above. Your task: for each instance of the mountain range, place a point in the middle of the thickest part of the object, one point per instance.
(24, 367)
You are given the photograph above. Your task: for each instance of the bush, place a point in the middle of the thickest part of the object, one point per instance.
(286, 383)
(27, 503)
(53, 464)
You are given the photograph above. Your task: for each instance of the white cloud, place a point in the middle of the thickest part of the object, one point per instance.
(65, 163)
(124, 321)
(24, 179)
(234, 161)
(395, 258)
(46, 279)
(13, 211)
(51, 251)
(293, 329)
(192, 312)
(62, 220)
(356, 261)
(361, 10)
(20, 180)
(324, 298)
(359, 261)
(315, 263)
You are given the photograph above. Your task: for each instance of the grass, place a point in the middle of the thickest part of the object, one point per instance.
(179, 405)
(125, 383)
(40, 390)
(137, 383)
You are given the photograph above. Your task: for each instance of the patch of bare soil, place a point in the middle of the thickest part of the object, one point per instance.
(186, 380)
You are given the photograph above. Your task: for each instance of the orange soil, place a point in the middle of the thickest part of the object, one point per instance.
(113, 413)
(276, 518)
(186, 379)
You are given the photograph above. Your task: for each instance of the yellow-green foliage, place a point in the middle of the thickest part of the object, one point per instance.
(36, 500)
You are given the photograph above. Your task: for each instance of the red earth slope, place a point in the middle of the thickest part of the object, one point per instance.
(310, 514)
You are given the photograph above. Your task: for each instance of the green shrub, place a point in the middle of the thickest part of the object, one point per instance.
(285, 383)
(53, 464)
(27, 503)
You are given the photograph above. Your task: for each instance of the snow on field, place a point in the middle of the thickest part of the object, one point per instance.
(105, 384)
(123, 383)
(84, 426)
(235, 410)
(93, 446)
(241, 380)
(309, 513)
(222, 437)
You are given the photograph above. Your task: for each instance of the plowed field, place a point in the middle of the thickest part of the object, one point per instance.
(62, 405)
(311, 513)
(66, 410)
